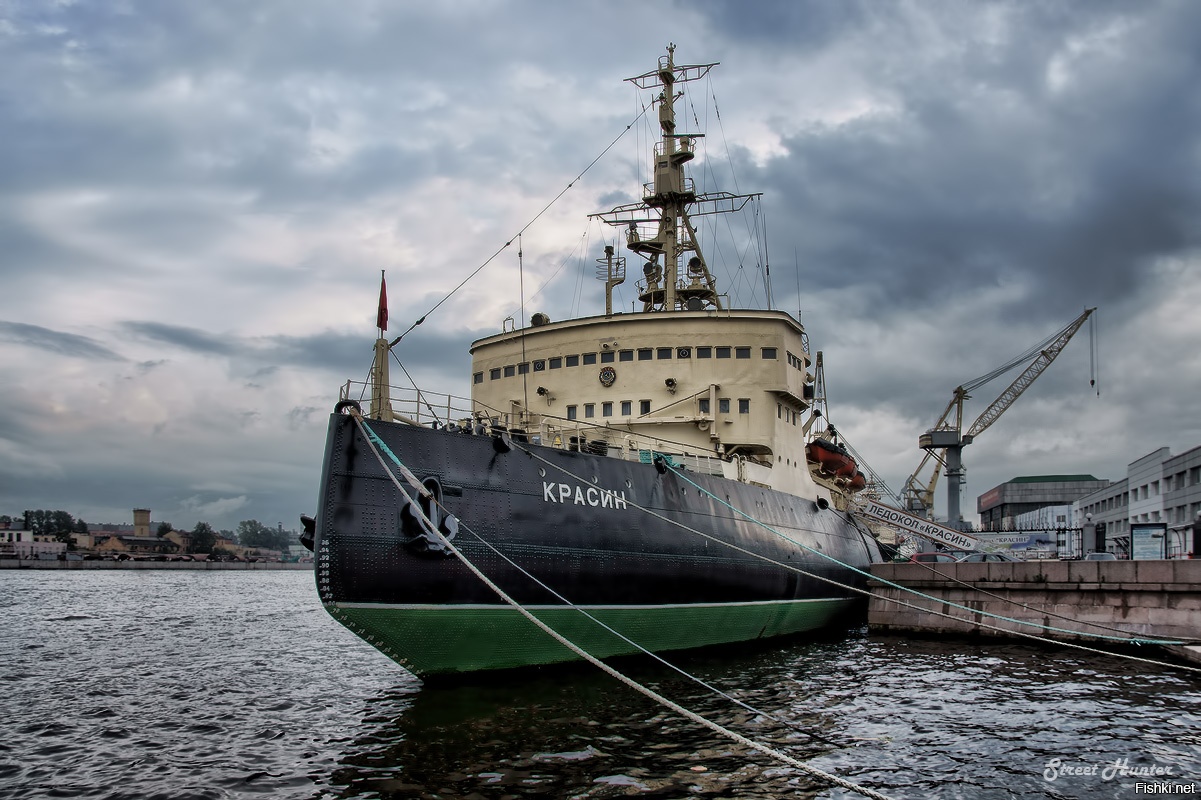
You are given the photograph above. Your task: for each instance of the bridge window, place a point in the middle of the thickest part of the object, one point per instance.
(606, 409)
(742, 352)
(524, 368)
(645, 353)
(723, 405)
(539, 365)
(510, 371)
(589, 358)
(723, 352)
(556, 362)
(744, 405)
(644, 407)
(589, 410)
(702, 405)
(769, 353)
(571, 412)
(573, 361)
(704, 352)
(664, 352)
(627, 355)
(477, 377)
(494, 374)
(626, 408)
(608, 357)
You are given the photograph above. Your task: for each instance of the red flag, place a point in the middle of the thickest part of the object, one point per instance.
(381, 318)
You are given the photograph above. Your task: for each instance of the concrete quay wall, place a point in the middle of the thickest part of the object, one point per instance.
(1149, 599)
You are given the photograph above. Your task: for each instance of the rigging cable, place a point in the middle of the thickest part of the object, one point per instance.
(762, 242)
(1094, 352)
(524, 228)
(420, 399)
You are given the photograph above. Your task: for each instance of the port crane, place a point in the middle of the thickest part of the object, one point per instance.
(944, 442)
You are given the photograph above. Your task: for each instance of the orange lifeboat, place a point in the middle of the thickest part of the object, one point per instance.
(831, 458)
(858, 482)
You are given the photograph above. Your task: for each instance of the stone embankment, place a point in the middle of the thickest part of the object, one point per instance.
(1145, 599)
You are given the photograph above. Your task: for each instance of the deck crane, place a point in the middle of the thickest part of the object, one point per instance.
(918, 497)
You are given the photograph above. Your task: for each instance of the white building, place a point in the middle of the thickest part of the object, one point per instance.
(23, 544)
(1158, 487)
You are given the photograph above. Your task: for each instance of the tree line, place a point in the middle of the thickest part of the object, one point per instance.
(250, 533)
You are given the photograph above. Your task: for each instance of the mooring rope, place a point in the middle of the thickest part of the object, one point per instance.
(376, 443)
(895, 601)
(765, 526)
(715, 690)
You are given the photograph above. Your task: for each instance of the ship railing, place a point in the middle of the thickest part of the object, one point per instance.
(435, 409)
(687, 187)
(615, 443)
(599, 440)
(447, 411)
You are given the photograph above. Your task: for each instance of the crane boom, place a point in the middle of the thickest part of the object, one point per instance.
(1023, 381)
(918, 496)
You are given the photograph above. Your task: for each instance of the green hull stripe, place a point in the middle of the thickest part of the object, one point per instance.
(559, 606)
(436, 639)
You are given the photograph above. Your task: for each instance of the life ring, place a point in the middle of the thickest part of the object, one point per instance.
(342, 405)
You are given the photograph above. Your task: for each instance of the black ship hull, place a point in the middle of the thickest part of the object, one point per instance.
(620, 539)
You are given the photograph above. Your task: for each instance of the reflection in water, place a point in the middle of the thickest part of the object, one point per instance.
(570, 731)
(913, 719)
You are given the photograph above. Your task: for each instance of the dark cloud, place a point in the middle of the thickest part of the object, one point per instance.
(945, 184)
(67, 344)
(339, 353)
(803, 24)
(197, 341)
(1077, 193)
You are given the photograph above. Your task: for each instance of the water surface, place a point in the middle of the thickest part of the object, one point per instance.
(140, 684)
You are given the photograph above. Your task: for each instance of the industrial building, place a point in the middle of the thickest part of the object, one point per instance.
(1006, 507)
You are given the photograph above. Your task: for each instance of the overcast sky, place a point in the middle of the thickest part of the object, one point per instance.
(196, 201)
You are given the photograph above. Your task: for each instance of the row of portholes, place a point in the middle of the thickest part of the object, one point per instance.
(616, 356)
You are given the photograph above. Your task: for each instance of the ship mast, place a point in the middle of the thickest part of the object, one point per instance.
(669, 203)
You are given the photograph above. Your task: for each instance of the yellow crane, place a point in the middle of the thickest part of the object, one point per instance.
(944, 442)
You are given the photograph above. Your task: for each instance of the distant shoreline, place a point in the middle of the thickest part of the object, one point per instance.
(28, 563)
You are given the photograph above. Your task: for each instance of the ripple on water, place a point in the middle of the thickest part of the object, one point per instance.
(231, 685)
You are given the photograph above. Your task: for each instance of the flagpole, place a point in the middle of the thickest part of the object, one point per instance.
(381, 400)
